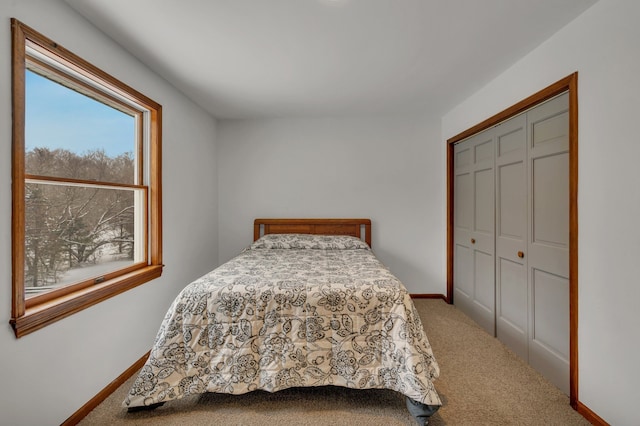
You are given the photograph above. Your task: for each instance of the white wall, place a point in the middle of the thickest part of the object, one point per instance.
(603, 46)
(387, 169)
(47, 375)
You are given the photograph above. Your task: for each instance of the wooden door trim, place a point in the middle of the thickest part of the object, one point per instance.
(568, 84)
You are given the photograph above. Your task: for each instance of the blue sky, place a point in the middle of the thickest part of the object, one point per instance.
(57, 117)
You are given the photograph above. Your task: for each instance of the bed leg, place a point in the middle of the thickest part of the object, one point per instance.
(421, 412)
(145, 407)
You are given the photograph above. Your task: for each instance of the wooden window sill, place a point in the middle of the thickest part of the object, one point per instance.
(44, 314)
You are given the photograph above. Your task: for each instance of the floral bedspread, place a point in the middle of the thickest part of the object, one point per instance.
(290, 313)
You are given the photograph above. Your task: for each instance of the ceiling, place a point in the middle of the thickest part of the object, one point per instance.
(301, 58)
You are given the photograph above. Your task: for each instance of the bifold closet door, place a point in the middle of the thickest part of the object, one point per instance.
(511, 235)
(474, 237)
(548, 248)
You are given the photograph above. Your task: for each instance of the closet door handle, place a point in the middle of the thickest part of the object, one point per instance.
(473, 241)
(521, 254)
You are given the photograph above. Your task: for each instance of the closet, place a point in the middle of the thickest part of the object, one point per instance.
(511, 234)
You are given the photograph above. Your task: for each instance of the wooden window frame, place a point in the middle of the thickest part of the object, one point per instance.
(39, 311)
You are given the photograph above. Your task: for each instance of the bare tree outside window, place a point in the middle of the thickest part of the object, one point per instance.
(75, 231)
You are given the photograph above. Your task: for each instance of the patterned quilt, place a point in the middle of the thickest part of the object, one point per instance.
(290, 311)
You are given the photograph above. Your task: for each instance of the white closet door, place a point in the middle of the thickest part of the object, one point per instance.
(511, 234)
(463, 227)
(474, 222)
(548, 248)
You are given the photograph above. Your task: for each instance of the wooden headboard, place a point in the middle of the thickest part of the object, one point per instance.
(353, 227)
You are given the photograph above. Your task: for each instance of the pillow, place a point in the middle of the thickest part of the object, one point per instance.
(309, 241)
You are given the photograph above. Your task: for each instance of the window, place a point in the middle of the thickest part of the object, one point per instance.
(86, 184)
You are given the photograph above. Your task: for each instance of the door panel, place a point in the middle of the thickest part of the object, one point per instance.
(549, 343)
(484, 209)
(550, 328)
(484, 299)
(463, 221)
(550, 130)
(463, 158)
(464, 283)
(511, 235)
(548, 247)
(511, 141)
(484, 153)
(511, 322)
(474, 224)
(512, 201)
(462, 195)
(513, 294)
(551, 200)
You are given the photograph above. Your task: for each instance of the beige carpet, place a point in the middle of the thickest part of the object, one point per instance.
(481, 383)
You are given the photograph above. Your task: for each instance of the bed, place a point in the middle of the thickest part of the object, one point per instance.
(306, 304)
